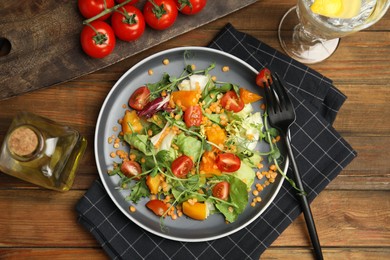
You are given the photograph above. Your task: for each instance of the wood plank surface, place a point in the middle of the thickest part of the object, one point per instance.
(293, 253)
(352, 214)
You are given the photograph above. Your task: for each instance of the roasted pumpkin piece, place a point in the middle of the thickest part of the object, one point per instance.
(131, 121)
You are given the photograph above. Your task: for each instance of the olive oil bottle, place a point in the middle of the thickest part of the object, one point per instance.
(41, 151)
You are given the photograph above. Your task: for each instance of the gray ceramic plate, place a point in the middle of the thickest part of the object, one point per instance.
(182, 229)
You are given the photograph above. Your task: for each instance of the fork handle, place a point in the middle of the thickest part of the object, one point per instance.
(304, 203)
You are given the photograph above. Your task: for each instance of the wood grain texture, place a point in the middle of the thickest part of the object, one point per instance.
(352, 214)
(45, 48)
(293, 253)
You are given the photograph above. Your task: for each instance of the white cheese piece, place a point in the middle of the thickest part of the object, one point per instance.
(200, 80)
(184, 85)
(193, 81)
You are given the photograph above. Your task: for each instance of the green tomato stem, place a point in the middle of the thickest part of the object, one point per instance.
(158, 11)
(106, 11)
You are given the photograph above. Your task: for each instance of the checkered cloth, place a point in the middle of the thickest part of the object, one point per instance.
(321, 153)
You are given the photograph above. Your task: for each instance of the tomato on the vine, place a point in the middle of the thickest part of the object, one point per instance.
(181, 166)
(193, 116)
(221, 190)
(139, 98)
(128, 23)
(230, 101)
(228, 162)
(97, 39)
(190, 7)
(91, 8)
(160, 14)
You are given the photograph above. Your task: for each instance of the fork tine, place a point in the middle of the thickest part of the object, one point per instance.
(284, 99)
(270, 99)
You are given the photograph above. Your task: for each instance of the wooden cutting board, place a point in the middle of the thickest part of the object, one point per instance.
(42, 38)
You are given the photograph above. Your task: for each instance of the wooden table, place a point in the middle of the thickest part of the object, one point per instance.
(352, 214)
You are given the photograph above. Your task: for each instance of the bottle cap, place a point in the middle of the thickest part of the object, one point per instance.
(23, 142)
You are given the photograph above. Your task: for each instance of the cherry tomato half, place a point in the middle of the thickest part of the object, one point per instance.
(221, 190)
(230, 101)
(90, 8)
(131, 169)
(139, 98)
(228, 162)
(128, 23)
(100, 44)
(193, 116)
(264, 78)
(181, 166)
(160, 14)
(190, 7)
(157, 206)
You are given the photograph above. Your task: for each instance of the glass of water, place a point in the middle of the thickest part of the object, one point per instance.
(310, 31)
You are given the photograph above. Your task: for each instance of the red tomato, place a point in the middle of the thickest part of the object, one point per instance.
(160, 14)
(133, 2)
(232, 102)
(98, 42)
(190, 7)
(90, 8)
(264, 78)
(130, 168)
(221, 190)
(193, 116)
(128, 23)
(181, 166)
(228, 162)
(157, 206)
(139, 98)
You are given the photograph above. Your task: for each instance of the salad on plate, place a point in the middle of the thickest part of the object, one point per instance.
(191, 147)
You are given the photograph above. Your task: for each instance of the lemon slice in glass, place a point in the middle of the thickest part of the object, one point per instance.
(335, 8)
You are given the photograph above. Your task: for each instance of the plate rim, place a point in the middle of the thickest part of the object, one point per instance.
(99, 166)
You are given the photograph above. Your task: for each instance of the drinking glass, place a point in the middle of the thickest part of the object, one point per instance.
(310, 38)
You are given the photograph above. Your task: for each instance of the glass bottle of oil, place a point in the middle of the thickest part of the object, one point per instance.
(41, 151)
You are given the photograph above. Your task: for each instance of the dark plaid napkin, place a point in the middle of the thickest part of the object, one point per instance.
(321, 154)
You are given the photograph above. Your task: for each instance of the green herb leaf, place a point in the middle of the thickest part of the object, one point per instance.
(273, 132)
(138, 191)
(156, 88)
(164, 158)
(115, 170)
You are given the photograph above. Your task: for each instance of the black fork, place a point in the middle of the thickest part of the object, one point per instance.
(281, 115)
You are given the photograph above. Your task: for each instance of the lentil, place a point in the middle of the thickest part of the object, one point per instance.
(225, 68)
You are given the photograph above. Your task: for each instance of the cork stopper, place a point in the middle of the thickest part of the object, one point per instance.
(23, 142)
